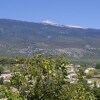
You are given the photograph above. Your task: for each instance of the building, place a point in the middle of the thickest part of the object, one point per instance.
(71, 71)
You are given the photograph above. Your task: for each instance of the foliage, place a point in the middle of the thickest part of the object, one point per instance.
(96, 91)
(1, 69)
(97, 66)
(81, 71)
(20, 60)
(17, 60)
(91, 73)
(44, 78)
(1, 81)
(4, 61)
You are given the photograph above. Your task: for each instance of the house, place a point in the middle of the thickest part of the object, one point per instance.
(6, 77)
(72, 68)
(89, 69)
(71, 71)
(92, 80)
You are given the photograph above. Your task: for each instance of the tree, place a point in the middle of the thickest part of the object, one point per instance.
(1, 69)
(1, 81)
(44, 78)
(97, 66)
(96, 91)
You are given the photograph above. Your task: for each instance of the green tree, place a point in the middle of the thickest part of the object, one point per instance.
(96, 91)
(1, 69)
(44, 78)
(97, 66)
(1, 81)
(90, 74)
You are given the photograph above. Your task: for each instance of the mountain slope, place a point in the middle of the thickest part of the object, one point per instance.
(20, 38)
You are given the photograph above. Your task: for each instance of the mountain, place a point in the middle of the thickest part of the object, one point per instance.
(20, 38)
(59, 25)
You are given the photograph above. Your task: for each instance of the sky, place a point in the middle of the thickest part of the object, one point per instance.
(84, 13)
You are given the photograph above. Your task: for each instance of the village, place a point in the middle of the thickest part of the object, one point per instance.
(72, 74)
(71, 70)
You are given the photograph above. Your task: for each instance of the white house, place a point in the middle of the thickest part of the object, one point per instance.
(71, 70)
(6, 77)
(89, 69)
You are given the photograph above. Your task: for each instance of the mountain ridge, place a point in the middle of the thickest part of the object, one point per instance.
(60, 25)
(47, 22)
(19, 38)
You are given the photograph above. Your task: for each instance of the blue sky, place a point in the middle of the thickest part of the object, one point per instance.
(84, 13)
